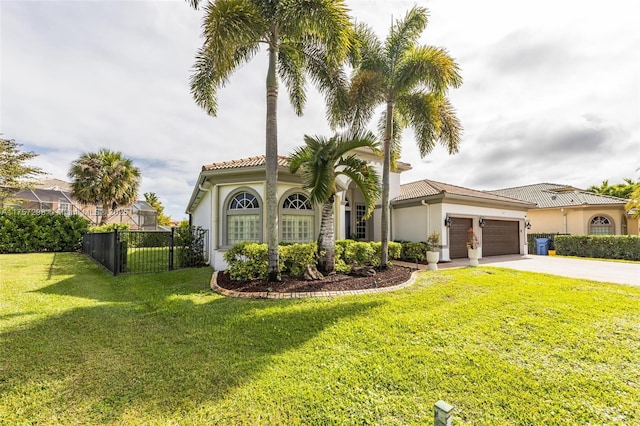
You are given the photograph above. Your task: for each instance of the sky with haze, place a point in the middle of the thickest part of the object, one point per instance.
(551, 91)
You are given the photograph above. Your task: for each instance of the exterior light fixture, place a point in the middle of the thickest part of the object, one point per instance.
(447, 221)
(481, 222)
(527, 224)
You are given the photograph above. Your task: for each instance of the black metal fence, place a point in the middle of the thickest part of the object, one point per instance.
(123, 251)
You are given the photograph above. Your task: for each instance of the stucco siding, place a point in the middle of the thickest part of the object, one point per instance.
(576, 221)
(411, 223)
(489, 212)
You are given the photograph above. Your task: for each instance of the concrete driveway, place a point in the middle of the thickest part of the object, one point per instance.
(614, 272)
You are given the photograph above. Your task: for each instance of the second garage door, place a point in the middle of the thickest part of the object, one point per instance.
(500, 237)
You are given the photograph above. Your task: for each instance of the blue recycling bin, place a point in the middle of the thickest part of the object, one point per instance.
(542, 246)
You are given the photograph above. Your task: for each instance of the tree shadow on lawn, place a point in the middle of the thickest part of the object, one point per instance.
(156, 356)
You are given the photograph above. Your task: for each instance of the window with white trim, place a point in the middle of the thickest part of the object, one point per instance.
(361, 226)
(63, 206)
(243, 219)
(297, 219)
(601, 225)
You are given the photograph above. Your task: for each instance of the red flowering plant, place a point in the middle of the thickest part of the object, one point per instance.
(472, 239)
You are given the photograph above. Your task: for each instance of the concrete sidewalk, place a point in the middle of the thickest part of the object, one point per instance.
(597, 270)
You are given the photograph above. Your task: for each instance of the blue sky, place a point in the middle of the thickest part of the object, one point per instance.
(551, 91)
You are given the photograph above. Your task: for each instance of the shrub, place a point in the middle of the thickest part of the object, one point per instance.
(138, 239)
(625, 247)
(189, 245)
(27, 232)
(294, 258)
(416, 252)
(109, 227)
(247, 261)
(360, 253)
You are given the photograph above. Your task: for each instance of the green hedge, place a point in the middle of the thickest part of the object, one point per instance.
(625, 247)
(531, 241)
(414, 251)
(249, 261)
(23, 231)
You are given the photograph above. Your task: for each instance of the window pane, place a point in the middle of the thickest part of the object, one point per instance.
(297, 202)
(361, 227)
(297, 229)
(243, 200)
(243, 228)
(600, 230)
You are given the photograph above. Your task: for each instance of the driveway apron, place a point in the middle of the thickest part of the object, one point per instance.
(597, 270)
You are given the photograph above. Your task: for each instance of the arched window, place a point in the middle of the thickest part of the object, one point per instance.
(601, 225)
(243, 218)
(297, 219)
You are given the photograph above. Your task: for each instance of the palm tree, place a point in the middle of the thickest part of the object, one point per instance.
(301, 36)
(152, 199)
(411, 81)
(322, 161)
(104, 178)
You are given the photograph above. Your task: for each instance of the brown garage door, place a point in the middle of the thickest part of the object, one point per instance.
(458, 237)
(500, 237)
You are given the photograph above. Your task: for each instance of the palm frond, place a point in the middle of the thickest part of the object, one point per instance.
(322, 160)
(404, 34)
(433, 119)
(232, 31)
(330, 80)
(429, 66)
(372, 53)
(326, 20)
(291, 67)
(194, 3)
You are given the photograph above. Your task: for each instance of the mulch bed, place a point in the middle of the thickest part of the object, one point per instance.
(391, 276)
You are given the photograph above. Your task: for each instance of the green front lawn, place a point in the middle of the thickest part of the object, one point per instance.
(78, 345)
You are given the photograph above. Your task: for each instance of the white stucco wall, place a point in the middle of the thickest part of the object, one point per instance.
(214, 202)
(416, 223)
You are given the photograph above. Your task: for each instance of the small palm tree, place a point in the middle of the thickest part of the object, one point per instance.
(411, 81)
(104, 178)
(302, 37)
(322, 161)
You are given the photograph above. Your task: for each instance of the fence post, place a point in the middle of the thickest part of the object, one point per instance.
(116, 252)
(171, 240)
(442, 414)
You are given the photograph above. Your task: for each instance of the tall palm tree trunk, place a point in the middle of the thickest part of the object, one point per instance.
(326, 239)
(386, 168)
(105, 214)
(271, 163)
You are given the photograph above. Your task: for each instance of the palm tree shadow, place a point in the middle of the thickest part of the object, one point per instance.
(134, 352)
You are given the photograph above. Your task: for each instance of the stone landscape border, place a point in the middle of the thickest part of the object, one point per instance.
(305, 294)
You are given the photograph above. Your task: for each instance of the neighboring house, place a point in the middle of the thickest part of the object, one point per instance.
(229, 200)
(567, 210)
(55, 195)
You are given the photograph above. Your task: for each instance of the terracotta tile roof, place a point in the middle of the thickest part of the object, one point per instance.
(425, 188)
(256, 161)
(550, 195)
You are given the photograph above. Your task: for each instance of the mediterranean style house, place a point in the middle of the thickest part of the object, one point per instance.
(565, 209)
(228, 199)
(55, 195)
